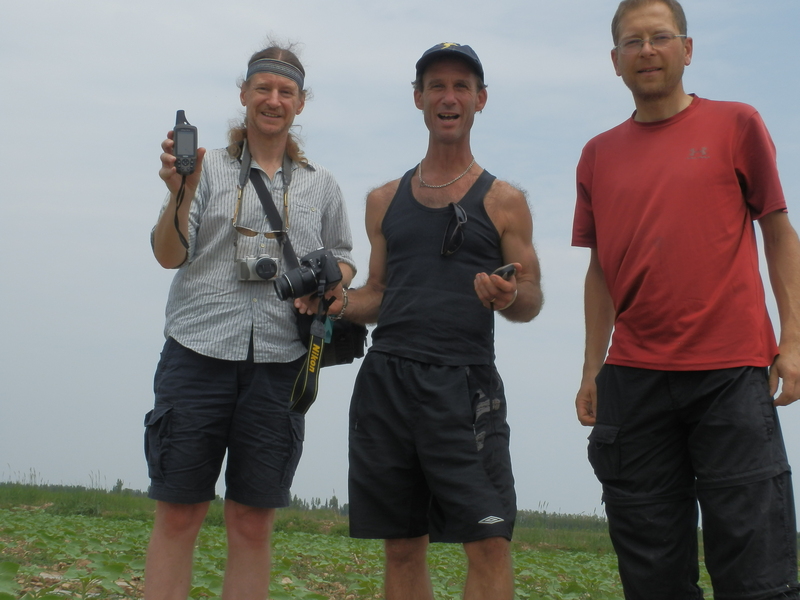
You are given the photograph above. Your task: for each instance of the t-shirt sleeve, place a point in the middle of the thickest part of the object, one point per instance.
(583, 226)
(755, 161)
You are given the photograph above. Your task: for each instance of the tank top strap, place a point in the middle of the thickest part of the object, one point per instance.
(478, 191)
(405, 181)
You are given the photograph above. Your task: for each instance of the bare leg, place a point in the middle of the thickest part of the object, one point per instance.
(407, 575)
(168, 568)
(489, 574)
(248, 568)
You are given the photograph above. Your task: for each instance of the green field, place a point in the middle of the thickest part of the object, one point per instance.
(68, 542)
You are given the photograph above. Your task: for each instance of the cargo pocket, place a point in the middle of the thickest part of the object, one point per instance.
(297, 426)
(156, 438)
(765, 399)
(604, 451)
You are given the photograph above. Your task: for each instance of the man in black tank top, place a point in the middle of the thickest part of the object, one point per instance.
(429, 458)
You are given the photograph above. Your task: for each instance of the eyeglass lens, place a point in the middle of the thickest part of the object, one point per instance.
(635, 45)
(246, 231)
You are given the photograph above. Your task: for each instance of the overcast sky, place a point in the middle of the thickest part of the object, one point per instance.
(89, 89)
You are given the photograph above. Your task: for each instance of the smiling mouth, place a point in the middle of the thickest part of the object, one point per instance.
(446, 117)
(650, 70)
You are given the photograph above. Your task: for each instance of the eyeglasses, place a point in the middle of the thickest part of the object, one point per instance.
(658, 42)
(246, 231)
(454, 234)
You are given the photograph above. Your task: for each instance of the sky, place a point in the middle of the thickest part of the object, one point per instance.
(89, 90)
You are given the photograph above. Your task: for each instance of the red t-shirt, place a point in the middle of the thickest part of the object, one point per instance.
(670, 206)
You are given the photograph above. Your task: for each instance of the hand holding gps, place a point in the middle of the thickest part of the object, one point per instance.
(185, 149)
(184, 137)
(506, 271)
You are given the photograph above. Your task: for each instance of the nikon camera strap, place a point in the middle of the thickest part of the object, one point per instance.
(306, 385)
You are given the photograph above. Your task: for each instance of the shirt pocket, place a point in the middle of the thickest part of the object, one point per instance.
(305, 226)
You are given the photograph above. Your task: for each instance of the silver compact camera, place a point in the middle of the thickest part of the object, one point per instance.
(256, 268)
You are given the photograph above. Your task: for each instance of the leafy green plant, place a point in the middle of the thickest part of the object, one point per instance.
(48, 552)
(8, 582)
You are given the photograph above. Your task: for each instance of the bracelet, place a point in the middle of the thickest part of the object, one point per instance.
(506, 306)
(344, 306)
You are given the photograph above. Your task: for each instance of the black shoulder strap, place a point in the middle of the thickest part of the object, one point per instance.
(266, 199)
(274, 217)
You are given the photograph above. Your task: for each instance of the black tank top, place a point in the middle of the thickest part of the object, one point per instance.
(430, 311)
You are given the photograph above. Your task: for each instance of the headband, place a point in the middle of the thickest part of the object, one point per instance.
(278, 67)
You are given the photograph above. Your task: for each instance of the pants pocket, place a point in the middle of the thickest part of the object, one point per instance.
(604, 451)
(768, 410)
(156, 437)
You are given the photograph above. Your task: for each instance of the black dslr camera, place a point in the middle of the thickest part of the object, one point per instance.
(304, 280)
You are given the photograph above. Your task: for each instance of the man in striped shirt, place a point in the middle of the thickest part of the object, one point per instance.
(233, 352)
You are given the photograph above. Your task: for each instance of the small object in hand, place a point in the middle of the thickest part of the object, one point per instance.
(506, 271)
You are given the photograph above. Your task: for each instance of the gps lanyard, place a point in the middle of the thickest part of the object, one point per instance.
(306, 385)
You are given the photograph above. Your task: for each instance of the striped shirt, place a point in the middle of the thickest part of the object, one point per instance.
(209, 310)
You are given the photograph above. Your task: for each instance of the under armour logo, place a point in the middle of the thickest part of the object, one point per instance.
(695, 154)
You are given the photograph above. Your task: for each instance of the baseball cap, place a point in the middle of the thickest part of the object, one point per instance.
(445, 49)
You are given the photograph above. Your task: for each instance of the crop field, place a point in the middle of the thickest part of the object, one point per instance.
(91, 544)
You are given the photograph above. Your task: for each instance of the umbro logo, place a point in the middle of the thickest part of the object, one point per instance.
(490, 520)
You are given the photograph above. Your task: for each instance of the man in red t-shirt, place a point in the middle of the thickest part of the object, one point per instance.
(681, 403)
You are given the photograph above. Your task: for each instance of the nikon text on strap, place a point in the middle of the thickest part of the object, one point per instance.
(306, 385)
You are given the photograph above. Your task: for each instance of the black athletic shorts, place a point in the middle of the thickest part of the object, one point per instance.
(206, 406)
(429, 452)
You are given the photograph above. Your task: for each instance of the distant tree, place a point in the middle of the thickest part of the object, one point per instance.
(332, 504)
(298, 503)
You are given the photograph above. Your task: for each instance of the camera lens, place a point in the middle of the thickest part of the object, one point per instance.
(266, 268)
(282, 287)
(295, 283)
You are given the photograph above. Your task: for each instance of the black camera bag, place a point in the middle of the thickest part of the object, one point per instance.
(348, 340)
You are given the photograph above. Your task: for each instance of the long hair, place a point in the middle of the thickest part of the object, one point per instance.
(238, 132)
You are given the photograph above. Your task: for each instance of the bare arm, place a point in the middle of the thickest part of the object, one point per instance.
(365, 302)
(599, 314)
(167, 247)
(520, 298)
(782, 250)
